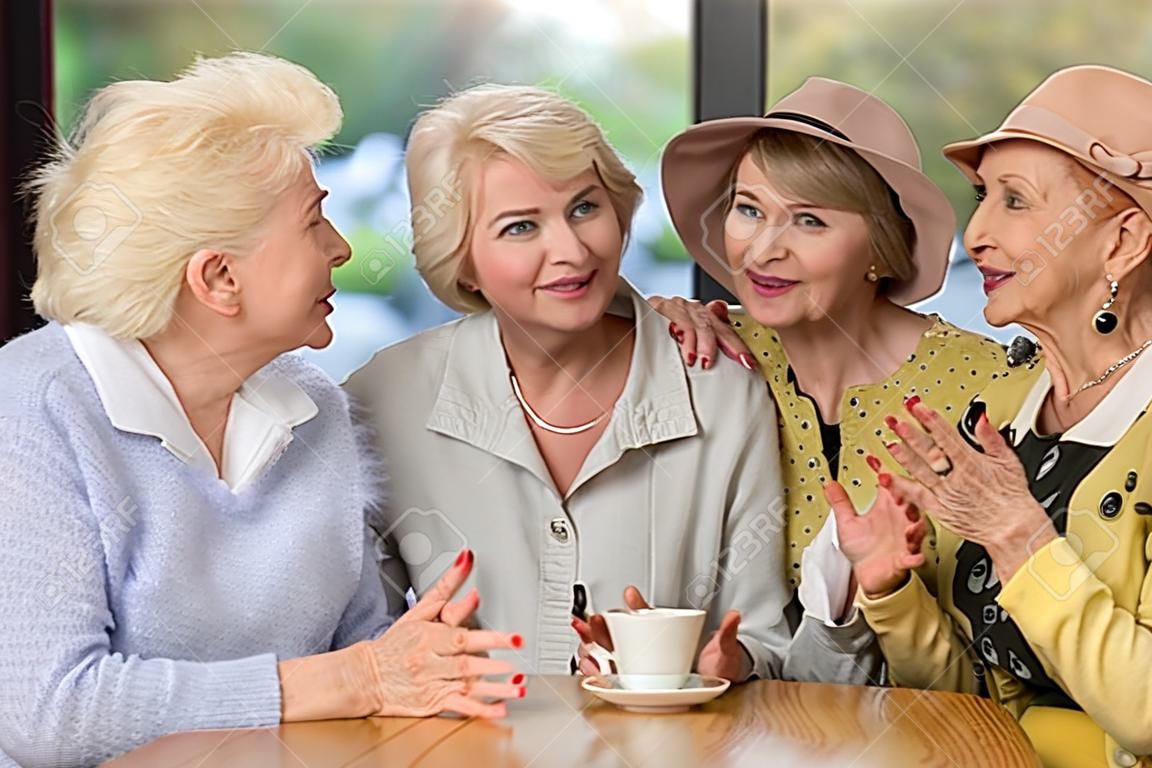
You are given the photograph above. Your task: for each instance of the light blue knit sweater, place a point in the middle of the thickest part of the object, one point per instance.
(140, 596)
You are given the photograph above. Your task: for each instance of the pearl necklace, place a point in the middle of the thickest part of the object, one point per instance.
(545, 425)
(1114, 367)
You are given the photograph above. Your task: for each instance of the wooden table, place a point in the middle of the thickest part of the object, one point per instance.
(766, 723)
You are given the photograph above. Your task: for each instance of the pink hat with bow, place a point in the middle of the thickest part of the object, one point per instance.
(1100, 116)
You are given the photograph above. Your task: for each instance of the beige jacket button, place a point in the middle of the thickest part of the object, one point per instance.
(559, 529)
(1124, 758)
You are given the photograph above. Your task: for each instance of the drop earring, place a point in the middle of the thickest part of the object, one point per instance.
(1105, 321)
(872, 276)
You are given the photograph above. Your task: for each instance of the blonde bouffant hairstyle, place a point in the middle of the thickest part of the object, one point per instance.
(156, 171)
(449, 144)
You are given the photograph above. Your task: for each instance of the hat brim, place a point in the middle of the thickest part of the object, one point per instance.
(695, 172)
(966, 156)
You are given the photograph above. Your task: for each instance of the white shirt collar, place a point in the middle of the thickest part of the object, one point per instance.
(138, 398)
(1108, 421)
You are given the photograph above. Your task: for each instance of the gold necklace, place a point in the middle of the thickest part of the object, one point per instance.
(1113, 368)
(545, 425)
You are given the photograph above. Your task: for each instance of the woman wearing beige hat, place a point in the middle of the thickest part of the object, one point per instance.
(555, 428)
(1043, 500)
(818, 217)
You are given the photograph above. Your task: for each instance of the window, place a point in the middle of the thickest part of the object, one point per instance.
(626, 61)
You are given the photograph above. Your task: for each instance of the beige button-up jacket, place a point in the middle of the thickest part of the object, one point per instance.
(681, 496)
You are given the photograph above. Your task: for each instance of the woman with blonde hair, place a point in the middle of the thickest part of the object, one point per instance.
(1041, 595)
(818, 218)
(555, 428)
(184, 505)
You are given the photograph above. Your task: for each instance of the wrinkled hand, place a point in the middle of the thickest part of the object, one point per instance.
(981, 497)
(724, 656)
(882, 545)
(426, 663)
(701, 329)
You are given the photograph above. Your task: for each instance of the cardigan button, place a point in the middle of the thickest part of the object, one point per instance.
(1124, 758)
(1110, 505)
(559, 529)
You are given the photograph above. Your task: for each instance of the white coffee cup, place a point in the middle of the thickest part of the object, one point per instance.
(654, 647)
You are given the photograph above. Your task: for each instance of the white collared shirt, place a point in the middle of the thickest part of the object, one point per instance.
(137, 397)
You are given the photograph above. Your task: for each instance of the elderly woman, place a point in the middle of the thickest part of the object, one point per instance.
(183, 520)
(818, 218)
(555, 428)
(1042, 594)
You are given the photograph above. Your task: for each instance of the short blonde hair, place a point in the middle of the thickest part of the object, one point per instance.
(803, 167)
(450, 142)
(158, 170)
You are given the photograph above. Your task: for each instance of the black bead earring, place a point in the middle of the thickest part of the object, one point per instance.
(1105, 322)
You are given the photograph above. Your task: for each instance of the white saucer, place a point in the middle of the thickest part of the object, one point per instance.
(698, 690)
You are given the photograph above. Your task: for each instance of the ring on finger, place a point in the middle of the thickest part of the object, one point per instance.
(941, 466)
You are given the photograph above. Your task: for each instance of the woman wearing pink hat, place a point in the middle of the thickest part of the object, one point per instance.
(1042, 593)
(818, 217)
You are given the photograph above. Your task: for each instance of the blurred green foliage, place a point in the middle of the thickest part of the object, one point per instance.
(953, 69)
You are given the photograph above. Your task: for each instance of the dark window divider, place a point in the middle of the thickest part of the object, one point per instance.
(26, 108)
(729, 78)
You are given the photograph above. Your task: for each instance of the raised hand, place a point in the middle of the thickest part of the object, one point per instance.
(427, 663)
(724, 656)
(882, 545)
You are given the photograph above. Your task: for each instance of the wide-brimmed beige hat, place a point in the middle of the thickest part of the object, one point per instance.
(1099, 115)
(697, 167)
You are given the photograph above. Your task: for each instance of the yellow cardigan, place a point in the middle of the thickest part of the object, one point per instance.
(1083, 602)
(948, 368)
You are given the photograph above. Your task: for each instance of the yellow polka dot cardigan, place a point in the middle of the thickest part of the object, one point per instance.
(948, 368)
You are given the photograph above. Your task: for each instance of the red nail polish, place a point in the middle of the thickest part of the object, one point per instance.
(912, 402)
(890, 447)
(873, 462)
(672, 331)
(517, 641)
(691, 359)
(705, 362)
(519, 679)
(748, 362)
(460, 558)
(471, 556)
(523, 692)
(890, 421)
(885, 480)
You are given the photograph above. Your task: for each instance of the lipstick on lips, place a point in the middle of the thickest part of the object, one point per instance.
(994, 278)
(570, 286)
(770, 286)
(325, 301)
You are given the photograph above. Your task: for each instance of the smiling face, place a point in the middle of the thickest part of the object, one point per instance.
(1040, 234)
(286, 282)
(545, 255)
(793, 261)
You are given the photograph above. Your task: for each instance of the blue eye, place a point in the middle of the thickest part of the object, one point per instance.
(808, 220)
(584, 208)
(518, 228)
(747, 210)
